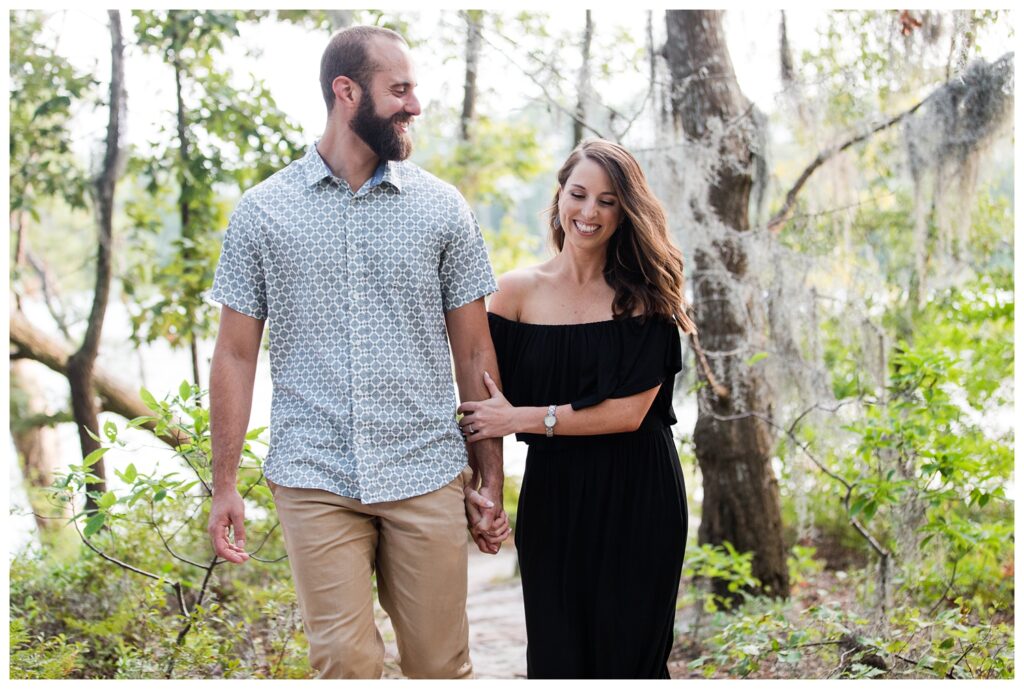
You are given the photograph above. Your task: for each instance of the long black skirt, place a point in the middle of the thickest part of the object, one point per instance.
(600, 534)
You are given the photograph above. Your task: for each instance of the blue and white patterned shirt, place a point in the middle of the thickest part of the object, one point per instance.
(355, 285)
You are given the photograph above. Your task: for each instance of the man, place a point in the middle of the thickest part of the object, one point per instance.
(362, 263)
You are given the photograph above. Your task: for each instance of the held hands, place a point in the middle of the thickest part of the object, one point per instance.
(490, 418)
(488, 523)
(227, 514)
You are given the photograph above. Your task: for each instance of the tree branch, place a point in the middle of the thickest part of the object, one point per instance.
(779, 220)
(114, 396)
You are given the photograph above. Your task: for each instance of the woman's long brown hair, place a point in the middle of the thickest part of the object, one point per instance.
(643, 266)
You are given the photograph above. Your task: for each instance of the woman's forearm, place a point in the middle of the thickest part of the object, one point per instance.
(620, 415)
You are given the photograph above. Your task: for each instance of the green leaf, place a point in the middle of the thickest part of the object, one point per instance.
(110, 430)
(947, 643)
(148, 398)
(185, 390)
(160, 495)
(757, 357)
(94, 524)
(107, 500)
(130, 473)
(255, 433)
(94, 456)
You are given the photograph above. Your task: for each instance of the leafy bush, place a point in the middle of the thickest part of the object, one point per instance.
(145, 597)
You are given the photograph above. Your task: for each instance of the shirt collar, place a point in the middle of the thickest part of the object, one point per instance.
(315, 169)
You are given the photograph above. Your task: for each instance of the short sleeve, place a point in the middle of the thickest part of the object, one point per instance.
(239, 282)
(648, 354)
(464, 270)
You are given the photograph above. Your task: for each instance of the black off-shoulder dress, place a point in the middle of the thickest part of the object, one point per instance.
(601, 523)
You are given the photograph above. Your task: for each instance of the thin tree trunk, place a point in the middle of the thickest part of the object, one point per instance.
(185, 191)
(474, 27)
(80, 364)
(741, 493)
(583, 82)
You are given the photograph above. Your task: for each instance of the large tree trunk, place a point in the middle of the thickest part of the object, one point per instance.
(733, 446)
(80, 364)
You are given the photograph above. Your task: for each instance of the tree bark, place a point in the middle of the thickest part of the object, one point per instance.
(185, 184)
(583, 83)
(733, 448)
(113, 395)
(80, 364)
(474, 26)
(37, 446)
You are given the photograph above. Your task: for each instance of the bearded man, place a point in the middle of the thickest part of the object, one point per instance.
(367, 268)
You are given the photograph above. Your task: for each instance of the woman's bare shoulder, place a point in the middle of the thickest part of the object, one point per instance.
(514, 289)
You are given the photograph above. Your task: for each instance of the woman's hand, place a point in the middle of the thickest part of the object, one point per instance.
(490, 418)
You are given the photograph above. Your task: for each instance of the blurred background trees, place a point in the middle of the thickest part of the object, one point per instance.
(846, 415)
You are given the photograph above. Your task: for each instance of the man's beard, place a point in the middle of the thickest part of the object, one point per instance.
(380, 133)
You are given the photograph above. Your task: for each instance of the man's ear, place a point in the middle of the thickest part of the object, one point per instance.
(346, 91)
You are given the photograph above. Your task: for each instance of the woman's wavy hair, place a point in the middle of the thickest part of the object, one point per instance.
(643, 266)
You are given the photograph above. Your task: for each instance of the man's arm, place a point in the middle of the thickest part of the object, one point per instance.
(232, 373)
(473, 353)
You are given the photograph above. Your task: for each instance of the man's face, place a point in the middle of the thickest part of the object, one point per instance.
(388, 103)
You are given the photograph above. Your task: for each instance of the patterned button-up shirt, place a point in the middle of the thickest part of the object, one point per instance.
(355, 285)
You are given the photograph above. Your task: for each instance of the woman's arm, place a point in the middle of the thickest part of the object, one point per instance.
(495, 417)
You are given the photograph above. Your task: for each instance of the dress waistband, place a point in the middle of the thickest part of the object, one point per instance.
(542, 442)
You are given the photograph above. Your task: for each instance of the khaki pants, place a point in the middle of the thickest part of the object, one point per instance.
(418, 547)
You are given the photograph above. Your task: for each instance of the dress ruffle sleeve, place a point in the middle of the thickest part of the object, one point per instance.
(644, 355)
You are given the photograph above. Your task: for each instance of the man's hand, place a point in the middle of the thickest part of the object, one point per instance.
(227, 518)
(488, 522)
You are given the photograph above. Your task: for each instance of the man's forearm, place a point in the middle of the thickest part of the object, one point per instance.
(486, 456)
(231, 386)
(486, 459)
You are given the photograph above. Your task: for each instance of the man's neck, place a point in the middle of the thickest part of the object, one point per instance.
(347, 155)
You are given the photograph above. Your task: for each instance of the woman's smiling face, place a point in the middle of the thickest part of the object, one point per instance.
(588, 209)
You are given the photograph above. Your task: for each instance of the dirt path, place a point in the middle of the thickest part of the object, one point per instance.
(497, 628)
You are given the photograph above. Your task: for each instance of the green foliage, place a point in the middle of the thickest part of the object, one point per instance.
(511, 246)
(724, 563)
(39, 658)
(766, 637)
(144, 596)
(499, 154)
(45, 91)
(222, 134)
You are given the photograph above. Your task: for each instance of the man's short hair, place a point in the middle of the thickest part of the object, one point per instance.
(347, 55)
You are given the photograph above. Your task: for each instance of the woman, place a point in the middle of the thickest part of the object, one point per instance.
(588, 345)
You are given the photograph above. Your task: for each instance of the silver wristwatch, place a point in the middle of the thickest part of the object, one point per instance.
(550, 421)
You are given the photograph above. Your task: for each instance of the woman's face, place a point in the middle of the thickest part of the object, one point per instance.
(588, 208)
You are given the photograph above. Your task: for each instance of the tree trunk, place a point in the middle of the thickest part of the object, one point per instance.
(185, 187)
(583, 83)
(474, 26)
(80, 364)
(733, 446)
(114, 397)
(37, 445)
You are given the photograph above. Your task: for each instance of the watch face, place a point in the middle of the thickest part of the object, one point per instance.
(549, 421)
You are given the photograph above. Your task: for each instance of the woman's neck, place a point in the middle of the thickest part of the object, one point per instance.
(581, 267)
